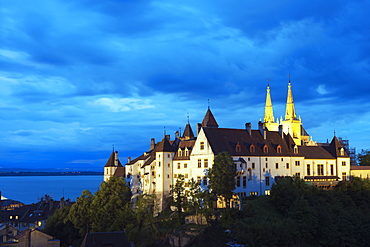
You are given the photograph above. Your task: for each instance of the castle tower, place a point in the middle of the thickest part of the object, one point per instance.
(268, 118)
(111, 166)
(291, 124)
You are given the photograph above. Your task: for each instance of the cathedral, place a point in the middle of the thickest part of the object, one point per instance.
(276, 148)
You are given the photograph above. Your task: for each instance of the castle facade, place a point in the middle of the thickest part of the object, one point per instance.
(276, 148)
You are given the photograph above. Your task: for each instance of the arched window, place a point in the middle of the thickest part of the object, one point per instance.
(238, 148)
(265, 149)
(278, 149)
(295, 149)
(252, 148)
(342, 152)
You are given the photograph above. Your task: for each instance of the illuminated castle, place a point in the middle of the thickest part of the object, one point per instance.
(276, 148)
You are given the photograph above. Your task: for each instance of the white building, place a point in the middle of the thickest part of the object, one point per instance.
(275, 149)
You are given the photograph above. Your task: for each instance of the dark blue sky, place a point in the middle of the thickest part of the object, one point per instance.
(77, 77)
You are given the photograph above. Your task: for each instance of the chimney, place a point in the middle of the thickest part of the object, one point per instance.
(116, 158)
(262, 129)
(248, 127)
(128, 160)
(281, 131)
(152, 144)
(177, 133)
(167, 137)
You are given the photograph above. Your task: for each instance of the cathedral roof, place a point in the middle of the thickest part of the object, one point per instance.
(209, 120)
(111, 160)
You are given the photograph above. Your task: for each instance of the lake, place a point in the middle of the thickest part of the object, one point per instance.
(29, 189)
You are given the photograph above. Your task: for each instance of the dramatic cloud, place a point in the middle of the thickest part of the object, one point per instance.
(77, 77)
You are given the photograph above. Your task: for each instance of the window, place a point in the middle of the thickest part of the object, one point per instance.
(249, 159)
(168, 175)
(267, 181)
(266, 159)
(201, 145)
(332, 170)
(205, 163)
(297, 174)
(168, 165)
(159, 163)
(295, 149)
(186, 185)
(199, 163)
(277, 165)
(252, 149)
(238, 181)
(253, 165)
(267, 192)
(254, 193)
(175, 175)
(178, 165)
(186, 165)
(198, 179)
(287, 165)
(320, 170)
(244, 181)
(265, 149)
(153, 173)
(344, 176)
(343, 163)
(168, 155)
(282, 159)
(297, 163)
(278, 149)
(249, 173)
(186, 175)
(308, 170)
(205, 181)
(342, 152)
(267, 165)
(186, 152)
(238, 148)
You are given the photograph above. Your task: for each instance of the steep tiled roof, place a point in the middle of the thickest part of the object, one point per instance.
(360, 168)
(189, 144)
(315, 152)
(120, 172)
(188, 132)
(222, 139)
(111, 159)
(209, 120)
(335, 147)
(164, 146)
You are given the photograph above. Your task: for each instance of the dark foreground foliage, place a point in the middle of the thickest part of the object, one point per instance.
(296, 214)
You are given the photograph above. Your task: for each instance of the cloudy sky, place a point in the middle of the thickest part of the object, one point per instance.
(77, 77)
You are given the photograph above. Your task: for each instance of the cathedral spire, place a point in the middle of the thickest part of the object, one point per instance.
(269, 114)
(290, 112)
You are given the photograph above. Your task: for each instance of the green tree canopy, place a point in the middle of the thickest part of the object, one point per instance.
(364, 157)
(222, 176)
(80, 213)
(110, 206)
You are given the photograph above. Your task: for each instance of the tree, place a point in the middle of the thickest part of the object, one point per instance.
(179, 197)
(110, 207)
(59, 226)
(222, 176)
(364, 157)
(80, 213)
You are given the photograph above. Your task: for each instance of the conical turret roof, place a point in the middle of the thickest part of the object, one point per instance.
(209, 120)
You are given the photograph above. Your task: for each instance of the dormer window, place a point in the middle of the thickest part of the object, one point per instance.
(238, 148)
(252, 149)
(296, 149)
(342, 152)
(278, 149)
(265, 149)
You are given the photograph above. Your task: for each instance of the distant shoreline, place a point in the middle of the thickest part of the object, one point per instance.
(75, 173)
